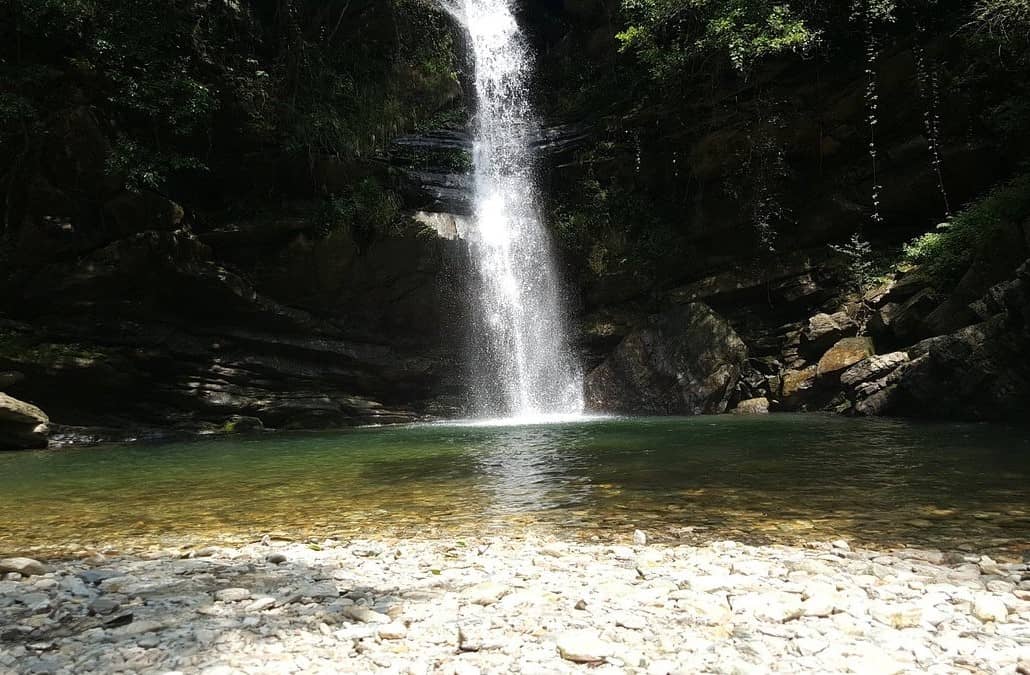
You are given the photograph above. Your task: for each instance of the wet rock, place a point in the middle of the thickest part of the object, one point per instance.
(24, 566)
(242, 424)
(685, 361)
(276, 558)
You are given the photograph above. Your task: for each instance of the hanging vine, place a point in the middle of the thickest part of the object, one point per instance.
(872, 101)
(928, 81)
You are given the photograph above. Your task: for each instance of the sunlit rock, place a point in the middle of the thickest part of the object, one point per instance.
(843, 354)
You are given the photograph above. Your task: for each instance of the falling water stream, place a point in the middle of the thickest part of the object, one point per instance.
(523, 365)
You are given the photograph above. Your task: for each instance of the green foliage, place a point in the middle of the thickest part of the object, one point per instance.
(145, 167)
(863, 267)
(945, 254)
(367, 209)
(610, 226)
(137, 59)
(668, 34)
(1006, 20)
(342, 97)
(172, 81)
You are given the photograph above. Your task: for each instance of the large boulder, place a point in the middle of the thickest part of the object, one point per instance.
(844, 354)
(824, 330)
(979, 372)
(686, 361)
(797, 387)
(872, 384)
(22, 425)
(131, 212)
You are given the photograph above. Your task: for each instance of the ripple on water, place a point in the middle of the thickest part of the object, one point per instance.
(775, 479)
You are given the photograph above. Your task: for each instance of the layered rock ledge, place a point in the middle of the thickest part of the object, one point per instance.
(517, 604)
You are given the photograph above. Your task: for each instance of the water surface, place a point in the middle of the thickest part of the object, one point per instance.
(779, 478)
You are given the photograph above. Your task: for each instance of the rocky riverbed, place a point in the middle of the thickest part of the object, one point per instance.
(516, 605)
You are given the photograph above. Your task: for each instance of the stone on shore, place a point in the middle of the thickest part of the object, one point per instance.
(23, 426)
(715, 607)
(26, 567)
(582, 646)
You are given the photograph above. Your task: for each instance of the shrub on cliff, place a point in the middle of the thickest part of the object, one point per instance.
(971, 237)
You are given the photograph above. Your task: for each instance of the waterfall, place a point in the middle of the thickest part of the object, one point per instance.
(523, 363)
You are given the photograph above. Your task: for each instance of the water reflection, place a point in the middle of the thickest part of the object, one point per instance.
(777, 479)
(531, 468)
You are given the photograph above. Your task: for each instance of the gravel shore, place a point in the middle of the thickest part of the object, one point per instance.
(519, 605)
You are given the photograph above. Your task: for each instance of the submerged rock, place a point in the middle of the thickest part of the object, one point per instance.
(686, 361)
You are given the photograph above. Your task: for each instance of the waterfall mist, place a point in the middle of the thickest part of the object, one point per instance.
(521, 359)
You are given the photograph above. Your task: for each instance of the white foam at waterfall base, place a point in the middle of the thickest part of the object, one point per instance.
(526, 420)
(524, 367)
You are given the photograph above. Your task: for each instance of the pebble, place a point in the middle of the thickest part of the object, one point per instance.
(989, 608)
(104, 605)
(640, 538)
(583, 646)
(510, 604)
(365, 615)
(276, 558)
(486, 593)
(232, 595)
(631, 621)
(393, 631)
(141, 627)
(260, 604)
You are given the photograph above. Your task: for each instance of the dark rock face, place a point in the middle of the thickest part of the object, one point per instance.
(152, 331)
(686, 361)
(22, 425)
